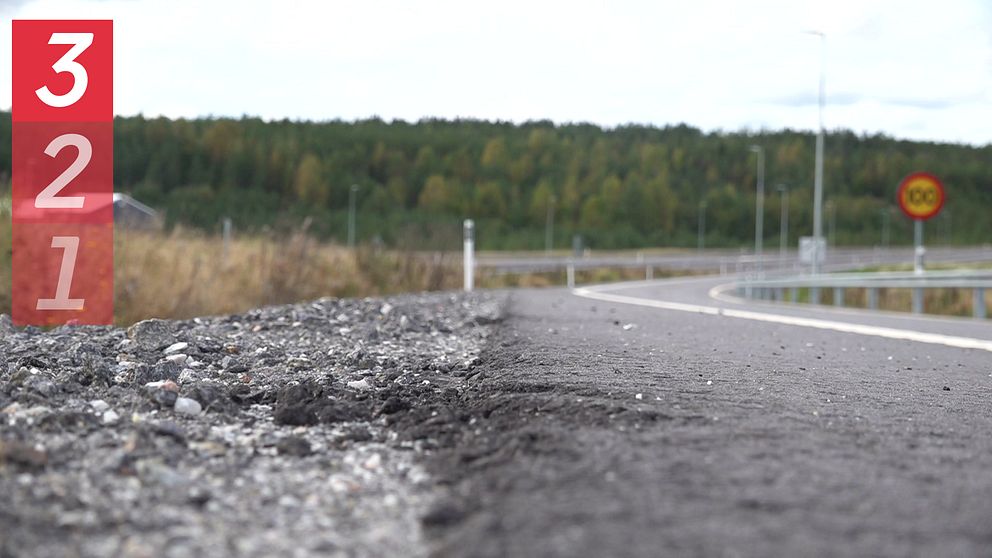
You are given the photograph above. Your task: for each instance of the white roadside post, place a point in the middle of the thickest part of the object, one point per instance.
(469, 254)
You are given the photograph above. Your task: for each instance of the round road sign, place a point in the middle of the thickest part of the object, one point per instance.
(920, 195)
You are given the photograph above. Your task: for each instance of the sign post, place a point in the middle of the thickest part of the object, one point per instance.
(921, 197)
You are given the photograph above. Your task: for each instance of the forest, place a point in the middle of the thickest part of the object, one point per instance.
(625, 187)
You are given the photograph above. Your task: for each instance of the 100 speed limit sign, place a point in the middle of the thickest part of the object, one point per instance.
(921, 195)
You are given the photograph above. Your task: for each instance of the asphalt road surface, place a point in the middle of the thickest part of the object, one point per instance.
(651, 419)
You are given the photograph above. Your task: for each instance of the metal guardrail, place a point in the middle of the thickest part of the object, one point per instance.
(749, 266)
(726, 261)
(774, 288)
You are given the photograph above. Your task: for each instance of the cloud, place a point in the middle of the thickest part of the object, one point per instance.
(9, 8)
(808, 98)
(712, 64)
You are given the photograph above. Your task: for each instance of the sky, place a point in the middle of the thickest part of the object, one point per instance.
(913, 69)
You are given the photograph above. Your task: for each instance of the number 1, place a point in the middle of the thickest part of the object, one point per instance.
(70, 247)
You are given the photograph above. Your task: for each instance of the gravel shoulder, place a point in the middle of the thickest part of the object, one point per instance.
(269, 433)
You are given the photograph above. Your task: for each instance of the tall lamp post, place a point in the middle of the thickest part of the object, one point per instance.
(549, 225)
(351, 215)
(886, 213)
(832, 223)
(783, 234)
(701, 240)
(759, 219)
(818, 172)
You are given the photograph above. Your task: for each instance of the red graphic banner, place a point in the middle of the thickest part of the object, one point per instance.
(62, 163)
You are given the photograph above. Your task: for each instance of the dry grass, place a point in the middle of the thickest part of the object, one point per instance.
(185, 274)
(4, 262)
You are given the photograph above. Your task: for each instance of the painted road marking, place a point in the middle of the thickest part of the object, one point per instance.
(596, 293)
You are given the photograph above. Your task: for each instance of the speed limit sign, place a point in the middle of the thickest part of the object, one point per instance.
(921, 196)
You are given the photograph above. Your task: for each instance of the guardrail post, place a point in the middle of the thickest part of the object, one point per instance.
(917, 300)
(814, 295)
(978, 301)
(469, 255)
(872, 298)
(794, 295)
(838, 296)
(649, 273)
(570, 274)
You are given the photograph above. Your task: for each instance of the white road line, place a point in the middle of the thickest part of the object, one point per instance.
(860, 329)
(719, 293)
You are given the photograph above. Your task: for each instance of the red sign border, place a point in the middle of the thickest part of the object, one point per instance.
(905, 184)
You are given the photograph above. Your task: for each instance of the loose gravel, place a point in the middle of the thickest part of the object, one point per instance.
(284, 431)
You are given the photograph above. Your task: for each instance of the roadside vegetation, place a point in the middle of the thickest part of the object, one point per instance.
(625, 187)
(185, 273)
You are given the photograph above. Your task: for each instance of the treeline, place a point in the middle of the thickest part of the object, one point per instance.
(623, 187)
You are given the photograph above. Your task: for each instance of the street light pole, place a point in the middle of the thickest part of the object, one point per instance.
(818, 172)
(351, 215)
(783, 235)
(759, 219)
(701, 240)
(885, 227)
(549, 225)
(832, 223)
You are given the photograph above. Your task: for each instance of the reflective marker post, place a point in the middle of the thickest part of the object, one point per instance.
(469, 255)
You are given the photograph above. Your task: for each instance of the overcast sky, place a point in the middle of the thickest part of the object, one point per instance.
(911, 69)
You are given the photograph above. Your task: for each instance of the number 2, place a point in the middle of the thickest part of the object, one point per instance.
(47, 198)
(70, 247)
(80, 42)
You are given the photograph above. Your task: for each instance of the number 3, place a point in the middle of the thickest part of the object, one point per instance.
(80, 42)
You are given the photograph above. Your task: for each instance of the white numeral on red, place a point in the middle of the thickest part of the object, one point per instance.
(79, 42)
(70, 247)
(48, 198)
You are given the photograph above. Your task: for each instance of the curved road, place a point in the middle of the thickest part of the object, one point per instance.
(716, 295)
(650, 419)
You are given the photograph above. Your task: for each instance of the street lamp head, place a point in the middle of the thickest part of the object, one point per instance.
(354, 187)
(756, 149)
